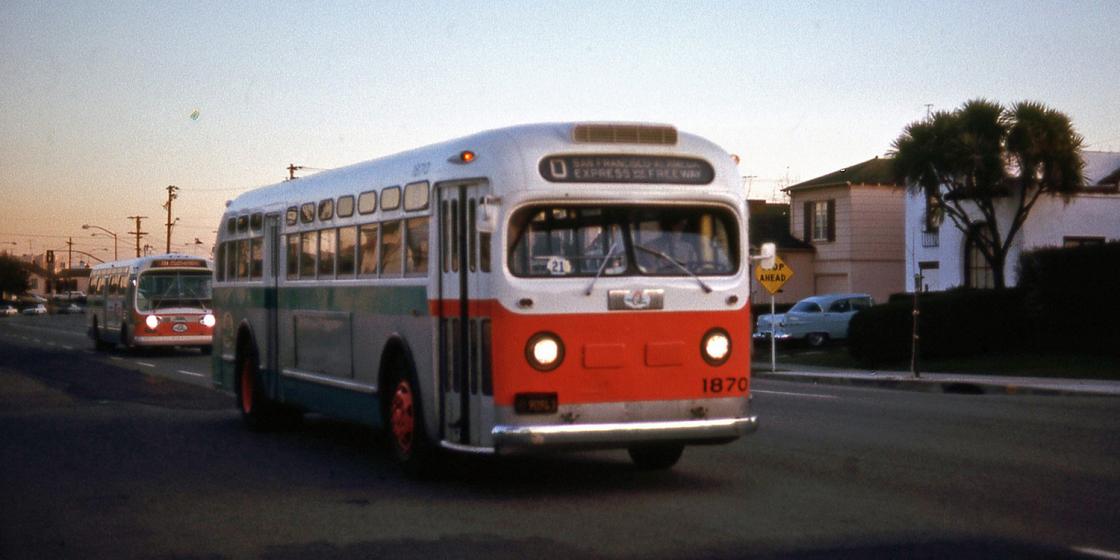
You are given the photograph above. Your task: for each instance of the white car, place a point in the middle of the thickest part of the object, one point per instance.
(8, 311)
(39, 309)
(816, 319)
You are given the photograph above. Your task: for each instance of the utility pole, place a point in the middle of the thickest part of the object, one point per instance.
(292, 168)
(70, 253)
(170, 196)
(138, 233)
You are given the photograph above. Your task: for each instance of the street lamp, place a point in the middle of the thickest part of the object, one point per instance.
(114, 234)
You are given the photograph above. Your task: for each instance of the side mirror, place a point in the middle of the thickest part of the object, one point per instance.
(487, 218)
(766, 255)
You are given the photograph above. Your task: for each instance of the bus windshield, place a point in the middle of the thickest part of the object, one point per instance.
(551, 241)
(164, 289)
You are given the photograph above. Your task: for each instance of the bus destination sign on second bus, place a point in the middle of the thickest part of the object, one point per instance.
(626, 169)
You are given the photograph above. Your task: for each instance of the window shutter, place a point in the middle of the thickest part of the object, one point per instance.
(808, 223)
(832, 220)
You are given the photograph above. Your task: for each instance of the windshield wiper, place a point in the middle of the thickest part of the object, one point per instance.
(602, 267)
(707, 289)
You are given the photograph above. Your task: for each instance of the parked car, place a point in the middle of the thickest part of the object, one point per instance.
(8, 311)
(816, 319)
(38, 309)
(71, 309)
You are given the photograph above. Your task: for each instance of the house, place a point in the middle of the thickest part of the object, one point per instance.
(946, 258)
(769, 223)
(853, 219)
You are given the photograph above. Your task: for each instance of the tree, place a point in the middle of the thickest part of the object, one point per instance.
(14, 277)
(971, 161)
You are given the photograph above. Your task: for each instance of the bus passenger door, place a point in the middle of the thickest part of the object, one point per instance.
(271, 297)
(466, 390)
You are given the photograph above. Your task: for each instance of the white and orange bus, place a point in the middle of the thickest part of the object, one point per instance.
(159, 300)
(552, 286)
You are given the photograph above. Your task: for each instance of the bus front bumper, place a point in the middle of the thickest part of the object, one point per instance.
(624, 434)
(177, 340)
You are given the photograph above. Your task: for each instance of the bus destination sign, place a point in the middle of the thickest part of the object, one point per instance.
(182, 263)
(606, 168)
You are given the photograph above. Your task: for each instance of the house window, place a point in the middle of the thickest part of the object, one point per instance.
(820, 220)
(977, 271)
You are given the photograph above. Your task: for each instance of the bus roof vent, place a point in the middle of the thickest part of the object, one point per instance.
(625, 134)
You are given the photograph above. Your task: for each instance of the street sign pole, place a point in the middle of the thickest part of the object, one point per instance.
(773, 339)
(773, 278)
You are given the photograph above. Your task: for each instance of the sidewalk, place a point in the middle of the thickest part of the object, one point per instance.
(938, 382)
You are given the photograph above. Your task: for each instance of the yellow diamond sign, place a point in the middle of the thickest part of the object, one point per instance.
(773, 278)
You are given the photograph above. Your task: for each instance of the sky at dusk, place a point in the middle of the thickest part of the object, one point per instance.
(98, 100)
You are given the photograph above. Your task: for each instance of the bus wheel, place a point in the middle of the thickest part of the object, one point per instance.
(410, 445)
(257, 411)
(95, 333)
(657, 456)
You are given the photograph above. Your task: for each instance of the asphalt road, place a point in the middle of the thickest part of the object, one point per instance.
(134, 456)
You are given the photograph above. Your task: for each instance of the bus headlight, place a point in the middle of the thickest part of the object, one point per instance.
(544, 351)
(152, 321)
(208, 320)
(715, 347)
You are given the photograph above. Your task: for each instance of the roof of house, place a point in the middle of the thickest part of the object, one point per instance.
(1101, 168)
(875, 171)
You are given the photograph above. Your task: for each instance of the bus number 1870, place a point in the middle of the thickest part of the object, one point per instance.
(725, 384)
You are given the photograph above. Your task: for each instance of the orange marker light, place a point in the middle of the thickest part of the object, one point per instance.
(466, 156)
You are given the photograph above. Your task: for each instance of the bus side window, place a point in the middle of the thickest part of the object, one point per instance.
(472, 239)
(346, 244)
(219, 266)
(307, 243)
(454, 235)
(367, 253)
(445, 227)
(243, 259)
(292, 266)
(328, 241)
(391, 249)
(256, 258)
(484, 251)
(416, 256)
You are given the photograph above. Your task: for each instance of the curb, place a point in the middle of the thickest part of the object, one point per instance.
(954, 387)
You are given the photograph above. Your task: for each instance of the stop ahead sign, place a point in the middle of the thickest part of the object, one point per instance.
(773, 278)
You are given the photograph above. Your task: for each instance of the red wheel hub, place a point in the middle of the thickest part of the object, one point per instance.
(247, 388)
(402, 417)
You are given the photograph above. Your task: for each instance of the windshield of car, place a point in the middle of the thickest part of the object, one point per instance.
(168, 289)
(552, 241)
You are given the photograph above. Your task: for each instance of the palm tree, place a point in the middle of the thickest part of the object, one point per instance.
(969, 161)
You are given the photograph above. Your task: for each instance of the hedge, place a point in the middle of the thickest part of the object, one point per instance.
(952, 323)
(1068, 300)
(1073, 297)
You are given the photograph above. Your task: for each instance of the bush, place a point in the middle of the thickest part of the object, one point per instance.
(1071, 297)
(953, 323)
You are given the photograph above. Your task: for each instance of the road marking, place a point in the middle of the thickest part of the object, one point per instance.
(116, 358)
(1098, 552)
(145, 364)
(185, 372)
(51, 344)
(65, 347)
(805, 395)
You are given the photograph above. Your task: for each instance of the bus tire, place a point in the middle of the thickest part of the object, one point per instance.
(259, 412)
(656, 457)
(408, 441)
(126, 339)
(95, 333)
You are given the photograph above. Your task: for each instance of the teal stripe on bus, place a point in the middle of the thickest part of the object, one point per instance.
(382, 300)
